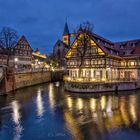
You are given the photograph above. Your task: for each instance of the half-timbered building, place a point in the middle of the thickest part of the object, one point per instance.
(92, 58)
(22, 54)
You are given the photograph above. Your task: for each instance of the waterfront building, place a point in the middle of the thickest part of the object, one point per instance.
(39, 60)
(20, 55)
(92, 58)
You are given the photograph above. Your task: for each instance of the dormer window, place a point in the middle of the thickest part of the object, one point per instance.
(111, 51)
(122, 46)
(133, 44)
(98, 40)
(111, 46)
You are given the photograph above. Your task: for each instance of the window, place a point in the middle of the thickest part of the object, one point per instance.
(111, 46)
(132, 63)
(122, 46)
(92, 62)
(87, 62)
(98, 40)
(111, 51)
(22, 46)
(99, 62)
(65, 39)
(122, 63)
(133, 44)
(95, 61)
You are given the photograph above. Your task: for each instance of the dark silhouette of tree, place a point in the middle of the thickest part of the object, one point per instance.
(8, 40)
(83, 42)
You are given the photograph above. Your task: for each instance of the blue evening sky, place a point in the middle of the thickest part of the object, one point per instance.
(42, 21)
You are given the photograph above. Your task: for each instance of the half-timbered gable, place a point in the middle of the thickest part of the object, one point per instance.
(23, 48)
(23, 53)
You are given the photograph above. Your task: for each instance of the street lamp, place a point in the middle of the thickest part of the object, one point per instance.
(16, 60)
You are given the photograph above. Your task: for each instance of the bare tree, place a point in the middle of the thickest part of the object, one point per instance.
(8, 39)
(83, 42)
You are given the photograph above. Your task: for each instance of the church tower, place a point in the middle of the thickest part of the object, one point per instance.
(66, 35)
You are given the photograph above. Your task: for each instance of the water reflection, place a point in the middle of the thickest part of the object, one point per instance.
(51, 97)
(105, 113)
(16, 116)
(75, 116)
(39, 102)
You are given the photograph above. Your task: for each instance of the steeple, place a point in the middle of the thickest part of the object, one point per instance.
(66, 30)
(66, 35)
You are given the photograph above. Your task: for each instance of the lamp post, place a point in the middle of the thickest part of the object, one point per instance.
(16, 60)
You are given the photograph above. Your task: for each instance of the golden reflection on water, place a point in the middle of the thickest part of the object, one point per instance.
(105, 113)
(16, 116)
(92, 104)
(69, 102)
(103, 103)
(79, 103)
(39, 102)
(51, 97)
(132, 106)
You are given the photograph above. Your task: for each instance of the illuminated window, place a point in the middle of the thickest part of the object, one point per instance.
(132, 63)
(103, 61)
(122, 63)
(92, 62)
(87, 62)
(99, 62)
(95, 61)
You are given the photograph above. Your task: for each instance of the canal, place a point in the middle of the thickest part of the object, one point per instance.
(48, 112)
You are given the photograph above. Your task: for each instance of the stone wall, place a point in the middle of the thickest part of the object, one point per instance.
(29, 79)
(13, 81)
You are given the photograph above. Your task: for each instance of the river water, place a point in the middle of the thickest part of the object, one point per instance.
(48, 112)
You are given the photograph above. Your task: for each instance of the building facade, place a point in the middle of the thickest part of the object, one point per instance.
(92, 58)
(39, 60)
(61, 47)
(20, 56)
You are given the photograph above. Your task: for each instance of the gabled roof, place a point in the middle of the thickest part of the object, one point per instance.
(92, 37)
(113, 48)
(23, 40)
(130, 47)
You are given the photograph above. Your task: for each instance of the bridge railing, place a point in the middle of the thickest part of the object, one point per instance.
(37, 70)
(31, 70)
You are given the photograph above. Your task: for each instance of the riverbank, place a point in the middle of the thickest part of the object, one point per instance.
(13, 81)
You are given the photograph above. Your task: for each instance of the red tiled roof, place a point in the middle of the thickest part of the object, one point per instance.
(107, 46)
